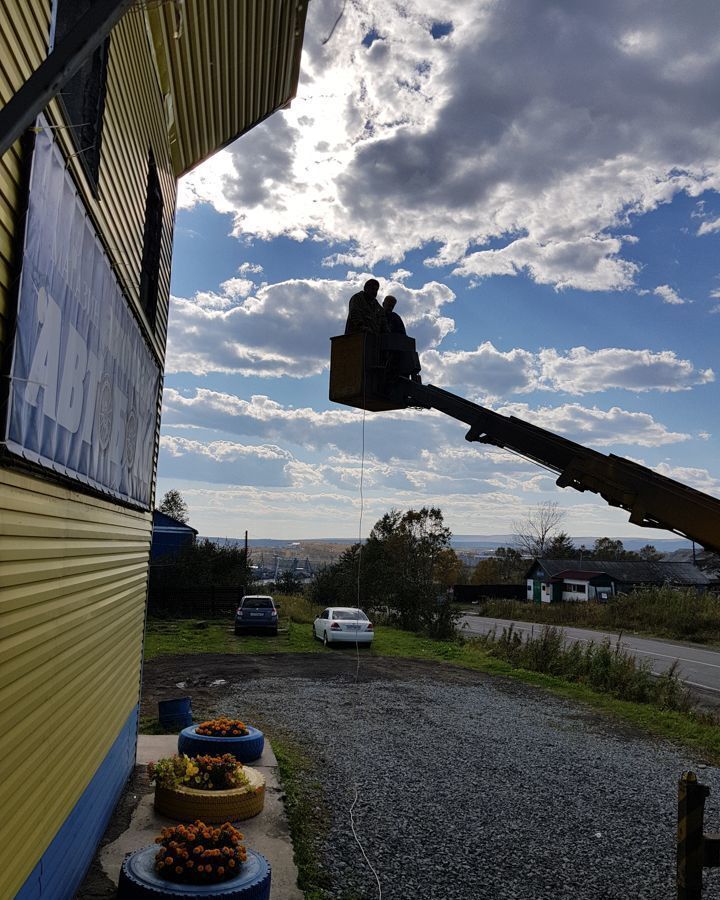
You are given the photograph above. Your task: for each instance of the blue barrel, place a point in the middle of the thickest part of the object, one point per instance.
(175, 714)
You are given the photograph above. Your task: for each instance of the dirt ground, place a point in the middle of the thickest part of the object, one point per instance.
(162, 675)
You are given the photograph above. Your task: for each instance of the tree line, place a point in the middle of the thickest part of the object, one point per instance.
(404, 569)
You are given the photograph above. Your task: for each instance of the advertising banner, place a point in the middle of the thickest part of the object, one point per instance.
(84, 384)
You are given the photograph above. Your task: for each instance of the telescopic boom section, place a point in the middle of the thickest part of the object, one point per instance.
(362, 374)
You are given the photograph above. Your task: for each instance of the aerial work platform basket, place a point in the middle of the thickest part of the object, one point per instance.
(364, 370)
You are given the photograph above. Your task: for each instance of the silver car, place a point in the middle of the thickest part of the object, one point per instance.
(343, 624)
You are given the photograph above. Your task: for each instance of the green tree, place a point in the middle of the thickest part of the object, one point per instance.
(402, 553)
(205, 563)
(488, 571)
(649, 553)
(337, 584)
(289, 583)
(174, 505)
(513, 565)
(608, 548)
(561, 546)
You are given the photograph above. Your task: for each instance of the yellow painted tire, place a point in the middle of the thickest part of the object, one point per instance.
(186, 804)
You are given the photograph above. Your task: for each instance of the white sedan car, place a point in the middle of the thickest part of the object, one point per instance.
(345, 624)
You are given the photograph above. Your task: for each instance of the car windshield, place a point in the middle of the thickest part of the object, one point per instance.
(257, 603)
(352, 614)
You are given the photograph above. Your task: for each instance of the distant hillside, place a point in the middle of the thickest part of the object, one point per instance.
(459, 541)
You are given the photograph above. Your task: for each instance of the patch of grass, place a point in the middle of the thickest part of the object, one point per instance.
(603, 667)
(151, 725)
(306, 813)
(163, 638)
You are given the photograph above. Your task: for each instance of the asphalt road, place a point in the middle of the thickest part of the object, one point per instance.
(699, 667)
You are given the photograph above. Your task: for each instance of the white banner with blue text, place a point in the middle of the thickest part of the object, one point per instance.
(84, 383)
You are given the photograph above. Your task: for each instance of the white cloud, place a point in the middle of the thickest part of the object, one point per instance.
(517, 126)
(401, 275)
(284, 328)
(583, 371)
(668, 295)
(708, 227)
(486, 369)
(598, 427)
(694, 476)
(495, 373)
(250, 268)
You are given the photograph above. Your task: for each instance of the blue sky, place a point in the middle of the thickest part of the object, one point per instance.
(537, 184)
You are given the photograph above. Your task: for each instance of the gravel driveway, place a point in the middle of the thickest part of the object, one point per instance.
(479, 790)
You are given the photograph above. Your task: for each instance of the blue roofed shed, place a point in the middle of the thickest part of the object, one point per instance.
(169, 536)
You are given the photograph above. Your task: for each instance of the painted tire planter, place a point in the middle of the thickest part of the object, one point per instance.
(140, 881)
(246, 748)
(186, 804)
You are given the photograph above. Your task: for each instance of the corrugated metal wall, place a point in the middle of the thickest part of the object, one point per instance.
(73, 568)
(23, 44)
(73, 584)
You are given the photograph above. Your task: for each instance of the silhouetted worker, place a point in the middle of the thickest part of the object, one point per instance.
(395, 323)
(366, 314)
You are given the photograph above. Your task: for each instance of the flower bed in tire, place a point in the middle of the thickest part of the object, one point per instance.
(245, 748)
(140, 881)
(186, 804)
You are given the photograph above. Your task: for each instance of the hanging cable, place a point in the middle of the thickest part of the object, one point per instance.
(357, 660)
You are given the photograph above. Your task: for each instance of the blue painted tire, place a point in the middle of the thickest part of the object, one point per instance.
(245, 749)
(140, 881)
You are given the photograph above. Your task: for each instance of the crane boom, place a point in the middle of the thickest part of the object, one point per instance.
(360, 376)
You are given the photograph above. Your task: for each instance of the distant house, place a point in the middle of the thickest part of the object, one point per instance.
(554, 580)
(169, 536)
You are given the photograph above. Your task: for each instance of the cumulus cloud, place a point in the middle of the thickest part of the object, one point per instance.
(709, 226)
(226, 461)
(695, 476)
(516, 127)
(283, 328)
(668, 295)
(583, 371)
(598, 427)
(494, 373)
(487, 370)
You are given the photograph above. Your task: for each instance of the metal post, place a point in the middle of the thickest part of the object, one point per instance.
(690, 849)
(54, 71)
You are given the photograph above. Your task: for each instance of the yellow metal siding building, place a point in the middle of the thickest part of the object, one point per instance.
(74, 548)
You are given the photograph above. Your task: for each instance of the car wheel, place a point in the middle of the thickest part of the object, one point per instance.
(140, 881)
(246, 748)
(326, 642)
